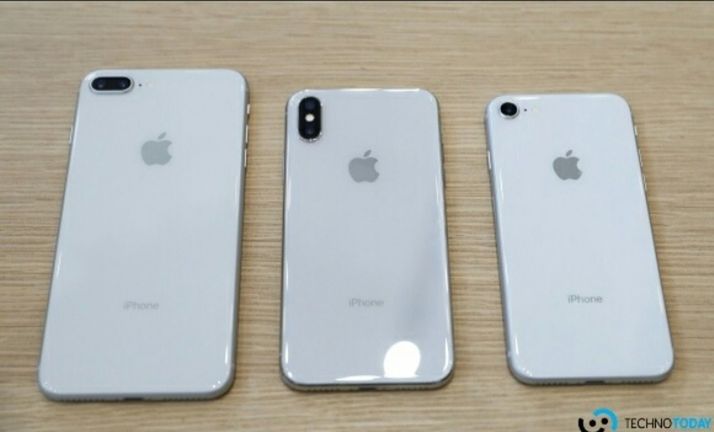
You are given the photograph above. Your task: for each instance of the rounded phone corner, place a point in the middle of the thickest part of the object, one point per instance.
(665, 371)
(521, 373)
(429, 95)
(237, 75)
(89, 76)
(287, 377)
(491, 104)
(445, 378)
(47, 389)
(618, 98)
(295, 98)
(220, 386)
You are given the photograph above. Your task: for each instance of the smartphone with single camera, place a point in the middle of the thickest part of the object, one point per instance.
(365, 295)
(581, 291)
(143, 297)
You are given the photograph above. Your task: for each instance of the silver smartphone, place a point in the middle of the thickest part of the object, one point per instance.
(365, 296)
(581, 291)
(143, 298)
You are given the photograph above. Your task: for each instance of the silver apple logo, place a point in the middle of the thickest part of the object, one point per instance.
(567, 167)
(156, 152)
(362, 168)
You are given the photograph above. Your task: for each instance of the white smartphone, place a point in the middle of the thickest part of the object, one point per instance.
(366, 300)
(143, 298)
(581, 291)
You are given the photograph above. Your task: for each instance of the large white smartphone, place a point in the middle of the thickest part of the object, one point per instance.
(581, 291)
(365, 300)
(143, 298)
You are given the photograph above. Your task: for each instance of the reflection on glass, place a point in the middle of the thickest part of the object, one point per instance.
(402, 360)
(358, 378)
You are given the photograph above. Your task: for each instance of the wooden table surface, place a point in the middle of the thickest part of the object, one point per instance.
(659, 56)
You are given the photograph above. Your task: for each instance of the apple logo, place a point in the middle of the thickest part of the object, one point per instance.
(567, 167)
(156, 152)
(362, 168)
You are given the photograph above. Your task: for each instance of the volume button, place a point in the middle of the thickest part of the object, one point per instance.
(71, 132)
(636, 132)
(644, 181)
(247, 129)
(488, 159)
(639, 153)
(245, 158)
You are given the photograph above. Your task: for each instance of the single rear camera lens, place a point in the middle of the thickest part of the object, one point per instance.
(509, 109)
(310, 104)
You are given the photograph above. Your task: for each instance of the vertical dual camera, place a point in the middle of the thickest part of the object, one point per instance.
(310, 118)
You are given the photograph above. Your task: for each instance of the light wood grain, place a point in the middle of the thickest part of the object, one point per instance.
(659, 56)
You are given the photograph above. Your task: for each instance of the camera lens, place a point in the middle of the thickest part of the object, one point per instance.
(109, 84)
(310, 118)
(310, 104)
(509, 109)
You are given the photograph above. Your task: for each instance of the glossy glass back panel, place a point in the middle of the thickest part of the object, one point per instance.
(143, 295)
(365, 269)
(582, 296)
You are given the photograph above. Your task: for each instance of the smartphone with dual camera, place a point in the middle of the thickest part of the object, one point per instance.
(365, 285)
(143, 297)
(581, 290)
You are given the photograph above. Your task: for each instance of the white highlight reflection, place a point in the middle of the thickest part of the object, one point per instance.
(358, 378)
(402, 360)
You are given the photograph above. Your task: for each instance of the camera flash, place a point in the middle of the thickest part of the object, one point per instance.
(309, 117)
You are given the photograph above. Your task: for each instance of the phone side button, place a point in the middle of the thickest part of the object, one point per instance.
(71, 132)
(639, 153)
(636, 133)
(245, 158)
(488, 159)
(247, 129)
(644, 181)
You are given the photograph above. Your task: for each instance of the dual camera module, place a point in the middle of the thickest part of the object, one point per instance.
(111, 84)
(310, 118)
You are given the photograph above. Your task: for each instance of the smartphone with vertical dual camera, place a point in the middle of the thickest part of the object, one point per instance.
(143, 297)
(581, 290)
(365, 286)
